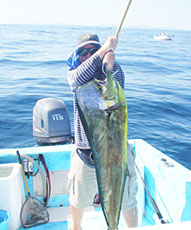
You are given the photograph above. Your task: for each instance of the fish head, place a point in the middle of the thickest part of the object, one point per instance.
(109, 92)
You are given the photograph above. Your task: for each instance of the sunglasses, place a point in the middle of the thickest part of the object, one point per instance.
(85, 51)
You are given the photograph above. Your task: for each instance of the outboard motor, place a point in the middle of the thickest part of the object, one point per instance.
(51, 123)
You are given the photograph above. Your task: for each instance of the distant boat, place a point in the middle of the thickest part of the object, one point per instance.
(163, 36)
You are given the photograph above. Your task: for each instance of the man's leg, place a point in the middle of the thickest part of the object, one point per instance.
(131, 217)
(82, 186)
(77, 214)
(129, 204)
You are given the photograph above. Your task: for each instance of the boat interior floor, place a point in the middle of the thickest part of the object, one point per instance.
(60, 218)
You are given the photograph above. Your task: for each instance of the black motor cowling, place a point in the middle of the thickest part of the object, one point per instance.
(51, 123)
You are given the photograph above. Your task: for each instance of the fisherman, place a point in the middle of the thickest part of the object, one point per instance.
(90, 60)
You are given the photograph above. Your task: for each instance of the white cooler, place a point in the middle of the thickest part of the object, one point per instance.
(11, 192)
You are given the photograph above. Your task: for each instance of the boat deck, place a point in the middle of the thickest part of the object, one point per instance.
(168, 182)
(60, 218)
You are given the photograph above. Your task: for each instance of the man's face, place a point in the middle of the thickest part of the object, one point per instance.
(86, 51)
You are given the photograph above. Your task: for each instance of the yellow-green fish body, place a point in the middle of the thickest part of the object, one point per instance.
(103, 112)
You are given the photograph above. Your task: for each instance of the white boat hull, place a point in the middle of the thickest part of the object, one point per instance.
(162, 37)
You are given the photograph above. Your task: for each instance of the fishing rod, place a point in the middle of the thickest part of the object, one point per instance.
(123, 18)
(151, 198)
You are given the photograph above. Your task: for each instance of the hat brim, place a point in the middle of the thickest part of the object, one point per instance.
(89, 42)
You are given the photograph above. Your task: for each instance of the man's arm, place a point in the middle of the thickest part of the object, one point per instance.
(85, 72)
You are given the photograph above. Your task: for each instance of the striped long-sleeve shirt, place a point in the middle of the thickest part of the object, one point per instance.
(85, 72)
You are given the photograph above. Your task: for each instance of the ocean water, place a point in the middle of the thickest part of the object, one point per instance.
(158, 82)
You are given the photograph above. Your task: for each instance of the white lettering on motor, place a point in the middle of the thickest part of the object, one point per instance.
(57, 117)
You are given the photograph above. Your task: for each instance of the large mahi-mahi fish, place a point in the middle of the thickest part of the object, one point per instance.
(103, 112)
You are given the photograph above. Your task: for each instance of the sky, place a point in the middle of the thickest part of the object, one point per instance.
(170, 14)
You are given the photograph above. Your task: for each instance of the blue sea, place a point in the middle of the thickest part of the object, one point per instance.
(158, 82)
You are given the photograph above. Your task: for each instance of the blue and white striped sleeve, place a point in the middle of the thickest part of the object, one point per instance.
(85, 72)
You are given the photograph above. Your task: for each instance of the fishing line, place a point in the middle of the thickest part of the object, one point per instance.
(103, 70)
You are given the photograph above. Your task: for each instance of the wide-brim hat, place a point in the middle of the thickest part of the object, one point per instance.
(87, 38)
